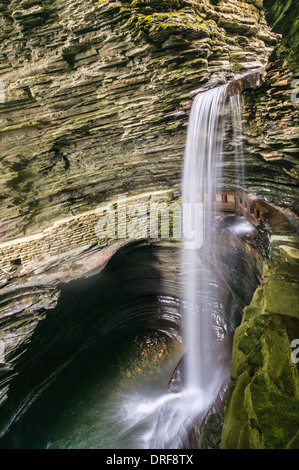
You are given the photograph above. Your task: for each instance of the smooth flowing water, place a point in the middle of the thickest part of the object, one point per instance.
(91, 411)
(201, 177)
(171, 418)
(235, 103)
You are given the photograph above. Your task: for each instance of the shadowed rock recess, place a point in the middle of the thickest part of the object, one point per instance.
(96, 103)
(262, 407)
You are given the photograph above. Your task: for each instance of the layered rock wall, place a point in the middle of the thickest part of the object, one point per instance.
(96, 96)
(21, 256)
(262, 408)
(271, 115)
(96, 102)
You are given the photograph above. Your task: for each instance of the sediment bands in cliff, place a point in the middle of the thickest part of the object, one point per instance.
(96, 104)
(96, 95)
(271, 115)
(262, 409)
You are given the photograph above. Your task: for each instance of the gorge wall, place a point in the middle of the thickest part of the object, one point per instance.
(262, 407)
(271, 116)
(96, 103)
(101, 90)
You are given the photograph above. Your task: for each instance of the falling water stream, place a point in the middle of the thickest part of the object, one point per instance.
(200, 179)
(235, 103)
(206, 367)
(154, 416)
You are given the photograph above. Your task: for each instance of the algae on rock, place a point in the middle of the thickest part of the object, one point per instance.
(262, 410)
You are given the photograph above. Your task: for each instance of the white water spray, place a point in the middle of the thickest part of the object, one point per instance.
(201, 177)
(235, 103)
(167, 421)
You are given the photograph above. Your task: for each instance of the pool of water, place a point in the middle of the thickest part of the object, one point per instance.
(93, 404)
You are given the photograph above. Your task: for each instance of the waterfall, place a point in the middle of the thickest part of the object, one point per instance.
(235, 103)
(168, 421)
(201, 177)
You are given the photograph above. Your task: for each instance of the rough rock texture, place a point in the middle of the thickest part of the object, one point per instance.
(210, 438)
(271, 115)
(272, 139)
(49, 317)
(95, 96)
(284, 19)
(262, 411)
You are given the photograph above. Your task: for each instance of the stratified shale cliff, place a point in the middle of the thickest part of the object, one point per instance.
(96, 102)
(262, 409)
(95, 105)
(96, 95)
(271, 118)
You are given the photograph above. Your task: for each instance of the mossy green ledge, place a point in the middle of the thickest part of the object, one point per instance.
(262, 410)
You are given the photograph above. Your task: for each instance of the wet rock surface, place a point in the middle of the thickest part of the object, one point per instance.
(51, 319)
(147, 355)
(210, 436)
(262, 409)
(95, 96)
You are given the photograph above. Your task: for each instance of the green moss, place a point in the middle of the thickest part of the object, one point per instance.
(172, 126)
(277, 416)
(159, 26)
(100, 2)
(279, 372)
(197, 63)
(294, 442)
(236, 420)
(42, 79)
(263, 410)
(281, 297)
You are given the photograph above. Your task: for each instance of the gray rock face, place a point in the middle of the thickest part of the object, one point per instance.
(96, 103)
(271, 116)
(96, 96)
(271, 137)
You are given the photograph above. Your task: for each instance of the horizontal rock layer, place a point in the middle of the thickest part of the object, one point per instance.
(271, 136)
(96, 96)
(96, 103)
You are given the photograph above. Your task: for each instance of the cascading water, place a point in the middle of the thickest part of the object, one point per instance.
(151, 415)
(235, 103)
(242, 226)
(202, 175)
(168, 421)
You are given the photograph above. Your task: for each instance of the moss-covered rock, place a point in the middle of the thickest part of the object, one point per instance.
(93, 72)
(263, 409)
(283, 15)
(275, 416)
